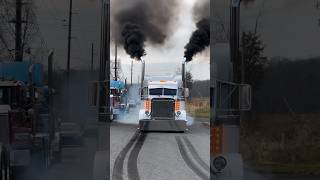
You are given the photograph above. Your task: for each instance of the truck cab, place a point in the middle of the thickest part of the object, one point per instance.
(117, 98)
(163, 107)
(16, 125)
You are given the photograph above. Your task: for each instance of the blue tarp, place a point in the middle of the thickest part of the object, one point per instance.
(19, 71)
(117, 84)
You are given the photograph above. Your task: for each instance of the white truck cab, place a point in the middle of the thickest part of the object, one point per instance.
(163, 105)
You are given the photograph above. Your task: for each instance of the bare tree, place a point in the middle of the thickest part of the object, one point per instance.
(253, 58)
(31, 36)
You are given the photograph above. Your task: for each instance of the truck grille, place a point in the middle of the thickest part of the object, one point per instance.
(162, 108)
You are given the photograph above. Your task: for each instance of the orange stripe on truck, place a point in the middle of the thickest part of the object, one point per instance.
(177, 106)
(147, 105)
(216, 140)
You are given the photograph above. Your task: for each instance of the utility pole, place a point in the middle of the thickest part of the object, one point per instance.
(92, 57)
(115, 62)
(101, 170)
(131, 72)
(50, 87)
(236, 62)
(69, 38)
(234, 39)
(18, 27)
(104, 78)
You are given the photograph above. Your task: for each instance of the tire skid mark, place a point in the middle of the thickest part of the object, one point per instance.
(132, 168)
(118, 165)
(188, 160)
(195, 154)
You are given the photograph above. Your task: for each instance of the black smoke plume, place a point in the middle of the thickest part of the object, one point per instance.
(136, 22)
(133, 40)
(199, 40)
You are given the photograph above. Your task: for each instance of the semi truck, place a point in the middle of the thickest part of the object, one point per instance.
(226, 160)
(27, 131)
(163, 105)
(118, 98)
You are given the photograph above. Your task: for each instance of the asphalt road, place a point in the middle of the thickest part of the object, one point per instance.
(161, 156)
(76, 164)
(151, 156)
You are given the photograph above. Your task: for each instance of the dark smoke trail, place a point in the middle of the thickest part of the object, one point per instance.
(136, 22)
(199, 40)
(133, 40)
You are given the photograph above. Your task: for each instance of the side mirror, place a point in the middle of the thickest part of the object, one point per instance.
(186, 92)
(142, 94)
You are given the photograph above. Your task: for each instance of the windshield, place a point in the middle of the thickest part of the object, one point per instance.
(155, 91)
(170, 92)
(163, 91)
(8, 95)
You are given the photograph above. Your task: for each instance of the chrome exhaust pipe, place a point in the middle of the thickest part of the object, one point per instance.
(143, 69)
(183, 73)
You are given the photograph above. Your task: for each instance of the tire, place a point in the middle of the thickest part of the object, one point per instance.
(111, 115)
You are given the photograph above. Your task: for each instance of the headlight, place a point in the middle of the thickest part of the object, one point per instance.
(219, 163)
(178, 113)
(147, 113)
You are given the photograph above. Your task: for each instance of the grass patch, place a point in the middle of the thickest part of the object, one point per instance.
(292, 169)
(199, 108)
(282, 144)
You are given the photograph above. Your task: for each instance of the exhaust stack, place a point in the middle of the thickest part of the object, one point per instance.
(143, 69)
(183, 73)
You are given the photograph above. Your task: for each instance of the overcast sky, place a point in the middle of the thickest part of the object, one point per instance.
(289, 28)
(166, 59)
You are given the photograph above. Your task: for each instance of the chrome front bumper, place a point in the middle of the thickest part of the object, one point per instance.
(163, 125)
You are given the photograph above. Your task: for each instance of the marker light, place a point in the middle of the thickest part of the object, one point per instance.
(177, 106)
(147, 105)
(216, 140)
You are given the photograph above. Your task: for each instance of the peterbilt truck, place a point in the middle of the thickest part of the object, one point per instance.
(163, 105)
(118, 95)
(26, 130)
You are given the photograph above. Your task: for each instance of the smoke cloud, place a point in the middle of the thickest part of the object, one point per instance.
(136, 22)
(200, 38)
(201, 10)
